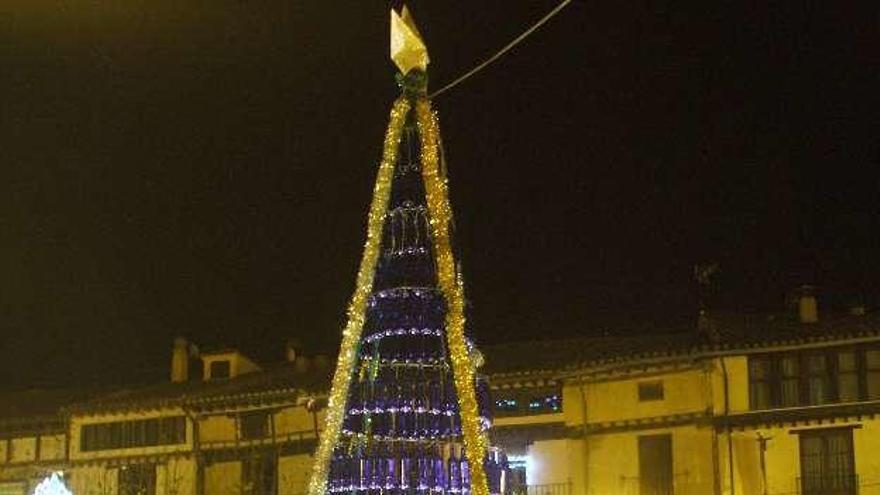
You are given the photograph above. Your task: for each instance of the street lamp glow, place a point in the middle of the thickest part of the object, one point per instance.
(52, 485)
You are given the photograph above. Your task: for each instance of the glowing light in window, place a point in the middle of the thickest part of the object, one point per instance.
(547, 403)
(52, 485)
(517, 461)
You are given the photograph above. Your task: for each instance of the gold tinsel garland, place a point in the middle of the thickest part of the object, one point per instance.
(348, 351)
(449, 280)
(440, 213)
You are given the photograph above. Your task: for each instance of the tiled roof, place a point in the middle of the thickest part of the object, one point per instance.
(734, 333)
(749, 330)
(282, 381)
(519, 357)
(35, 403)
(746, 332)
(35, 410)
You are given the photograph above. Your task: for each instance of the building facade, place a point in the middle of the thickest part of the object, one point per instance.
(749, 406)
(759, 406)
(237, 430)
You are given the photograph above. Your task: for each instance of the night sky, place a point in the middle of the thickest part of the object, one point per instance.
(204, 169)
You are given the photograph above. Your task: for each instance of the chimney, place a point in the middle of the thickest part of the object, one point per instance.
(808, 310)
(290, 348)
(706, 327)
(180, 361)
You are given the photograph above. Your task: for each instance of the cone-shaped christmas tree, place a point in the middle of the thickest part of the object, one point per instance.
(407, 413)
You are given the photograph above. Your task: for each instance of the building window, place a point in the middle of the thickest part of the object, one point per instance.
(220, 369)
(814, 378)
(529, 401)
(872, 371)
(254, 425)
(655, 465)
(132, 434)
(506, 405)
(818, 380)
(827, 463)
(137, 479)
(759, 377)
(546, 403)
(790, 389)
(847, 376)
(517, 467)
(651, 391)
(259, 474)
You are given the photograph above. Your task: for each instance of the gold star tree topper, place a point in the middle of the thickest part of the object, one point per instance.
(408, 50)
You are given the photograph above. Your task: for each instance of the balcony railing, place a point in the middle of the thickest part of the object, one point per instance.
(548, 489)
(829, 484)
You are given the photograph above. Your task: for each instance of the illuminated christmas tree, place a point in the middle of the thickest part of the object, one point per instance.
(407, 413)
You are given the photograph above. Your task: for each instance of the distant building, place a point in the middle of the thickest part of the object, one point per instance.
(752, 405)
(33, 438)
(235, 430)
(745, 405)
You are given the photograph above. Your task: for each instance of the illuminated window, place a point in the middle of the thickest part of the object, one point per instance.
(517, 468)
(650, 391)
(506, 404)
(529, 401)
(547, 403)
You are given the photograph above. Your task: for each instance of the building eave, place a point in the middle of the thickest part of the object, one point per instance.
(717, 351)
(806, 415)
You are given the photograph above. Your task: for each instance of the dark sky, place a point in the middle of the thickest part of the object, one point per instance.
(204, 168)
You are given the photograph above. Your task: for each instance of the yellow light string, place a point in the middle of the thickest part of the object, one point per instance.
(440, 213)
(351, 335)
